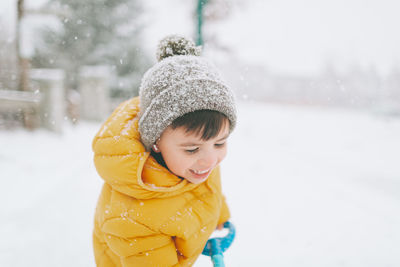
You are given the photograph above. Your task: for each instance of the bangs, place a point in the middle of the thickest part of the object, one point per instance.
(205, 123)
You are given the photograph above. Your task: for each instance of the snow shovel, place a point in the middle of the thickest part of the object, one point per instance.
(215, 247)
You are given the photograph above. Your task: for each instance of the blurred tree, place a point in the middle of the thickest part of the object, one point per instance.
(95, 32)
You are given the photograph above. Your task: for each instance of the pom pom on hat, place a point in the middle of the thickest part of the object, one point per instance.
(173, 45)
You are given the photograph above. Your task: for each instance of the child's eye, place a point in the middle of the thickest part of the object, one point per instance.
(220, 145)
(191, 151)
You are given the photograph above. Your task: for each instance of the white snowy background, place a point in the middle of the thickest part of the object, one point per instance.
(307, 186)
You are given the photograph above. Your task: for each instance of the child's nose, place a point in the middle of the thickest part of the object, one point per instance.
(207, 160)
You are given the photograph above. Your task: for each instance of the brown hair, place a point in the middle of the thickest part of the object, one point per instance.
(206, 123)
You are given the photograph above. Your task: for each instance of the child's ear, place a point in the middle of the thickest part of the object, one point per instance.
(155, 148)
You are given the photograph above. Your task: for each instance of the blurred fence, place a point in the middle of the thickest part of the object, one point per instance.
(357, 88)
(16, 106)
(94, 90)
(49, 104)
(50, 84)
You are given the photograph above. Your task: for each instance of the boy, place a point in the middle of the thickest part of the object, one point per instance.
(159, 156)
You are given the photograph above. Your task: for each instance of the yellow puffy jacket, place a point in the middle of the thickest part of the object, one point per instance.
(145, 215)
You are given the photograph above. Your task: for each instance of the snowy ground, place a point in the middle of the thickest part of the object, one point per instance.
(306, 186)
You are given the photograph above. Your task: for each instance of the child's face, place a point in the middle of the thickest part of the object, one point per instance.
(190, 157)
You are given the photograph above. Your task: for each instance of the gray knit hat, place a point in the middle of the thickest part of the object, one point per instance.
(181, 82)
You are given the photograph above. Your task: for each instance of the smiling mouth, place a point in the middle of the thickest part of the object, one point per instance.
(201, 174)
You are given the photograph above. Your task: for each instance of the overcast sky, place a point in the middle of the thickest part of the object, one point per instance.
(303, 35)
(287, 35)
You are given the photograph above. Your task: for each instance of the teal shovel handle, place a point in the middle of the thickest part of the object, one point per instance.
(215, 247)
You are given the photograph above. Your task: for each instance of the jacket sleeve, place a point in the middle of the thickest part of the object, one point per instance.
(225, 214)
(137, 245)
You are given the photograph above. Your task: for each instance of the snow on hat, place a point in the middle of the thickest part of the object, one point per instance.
(181, 82)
